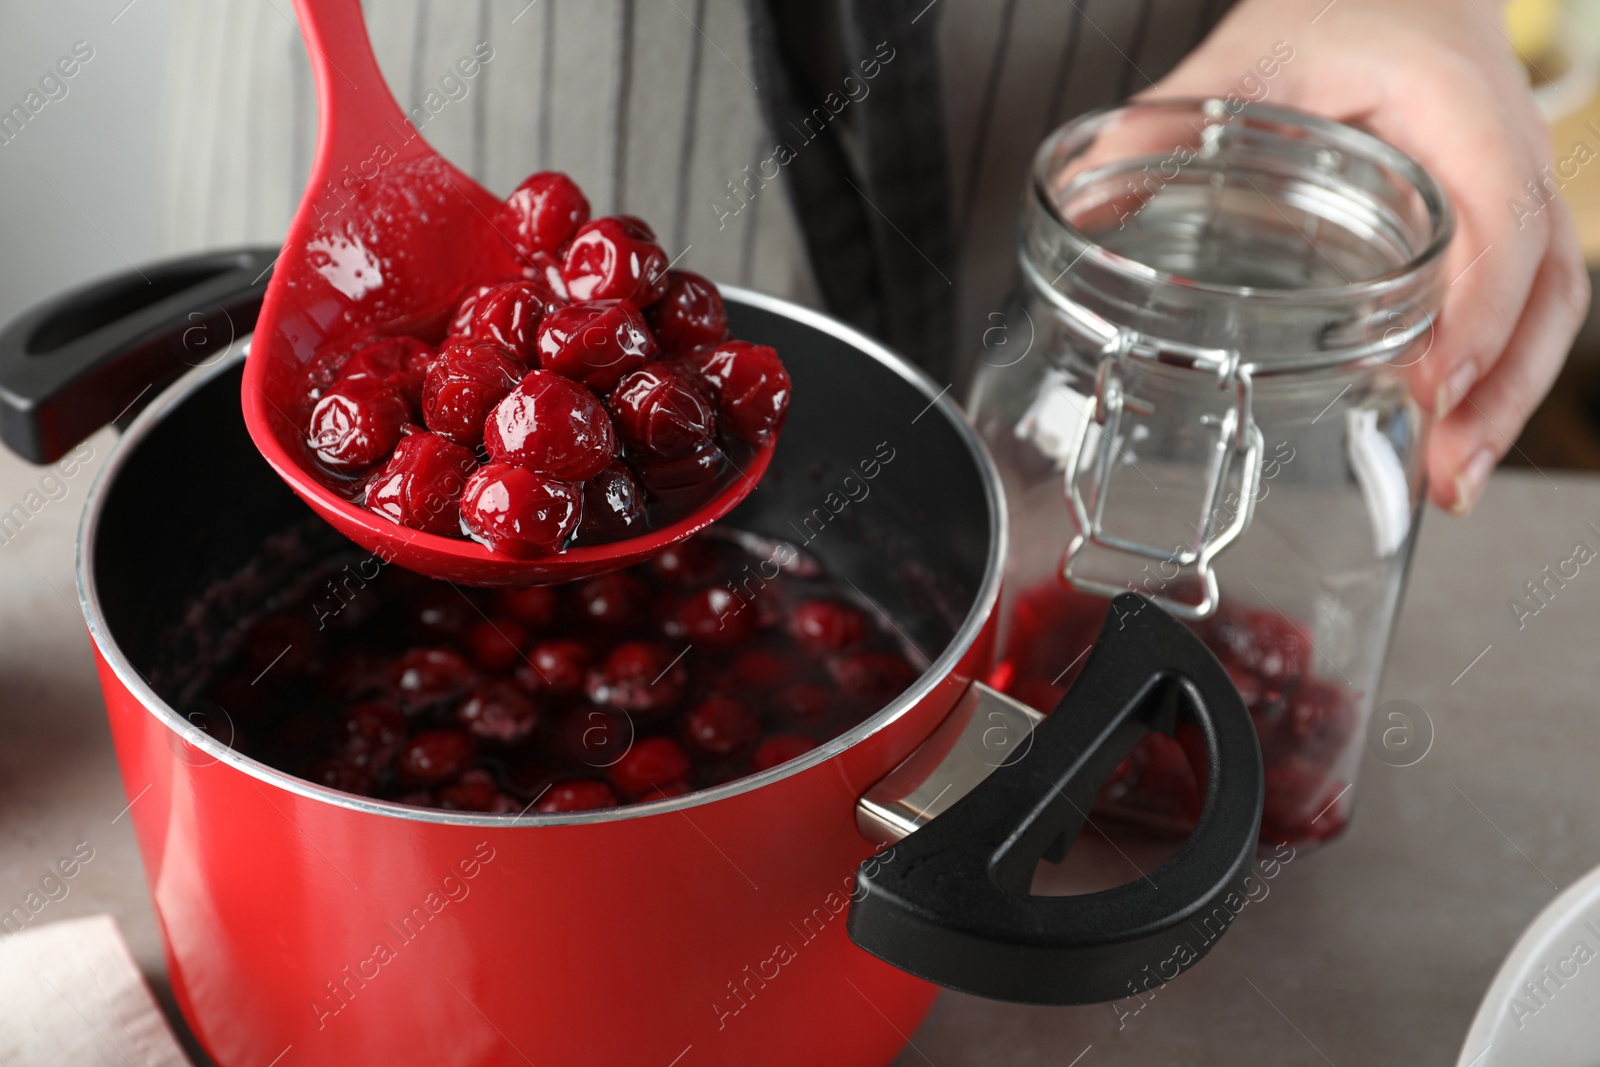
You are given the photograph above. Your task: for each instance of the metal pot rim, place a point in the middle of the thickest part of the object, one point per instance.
(982, 609)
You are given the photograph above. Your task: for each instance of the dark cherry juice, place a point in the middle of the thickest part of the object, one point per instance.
(721, 656)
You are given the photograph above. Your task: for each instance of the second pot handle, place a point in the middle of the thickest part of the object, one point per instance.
(952, 905)
(92, 355)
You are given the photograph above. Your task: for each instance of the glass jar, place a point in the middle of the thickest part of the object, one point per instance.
(1200, 395)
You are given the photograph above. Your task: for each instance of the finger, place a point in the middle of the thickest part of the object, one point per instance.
(1465, 446)
(1490, 268)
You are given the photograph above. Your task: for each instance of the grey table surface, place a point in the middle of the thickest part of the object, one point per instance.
(1372, 951)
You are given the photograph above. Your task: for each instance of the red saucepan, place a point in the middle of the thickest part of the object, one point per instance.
(783, 918)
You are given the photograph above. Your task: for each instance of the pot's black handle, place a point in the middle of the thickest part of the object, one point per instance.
(91, 356)
(952, 904)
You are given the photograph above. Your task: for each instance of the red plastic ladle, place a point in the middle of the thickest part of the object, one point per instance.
(386, 238)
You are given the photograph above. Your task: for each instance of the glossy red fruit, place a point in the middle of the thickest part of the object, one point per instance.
(720, 726)
(356, 423)
(1319, 720)
(557, 666)
(536, 606)
(1276, 649)
(825, 626)
(552, 426)
(780, 749)
(690, 314)
(615, 258)
(642, 677)
(660, 413)
(461, 318)
(679, 476)
(373, 733)
(542, 213)
(439, 616)
(613, 505)
(498, 711)
(751, 387)
(804, 702)
(871, 678)
(280, 646)
(689, 563)
(424, 677)
(611, 600)
(545, 268)
(759, 670)
(517, 512)
(496, 643)
(402, 363)
(509, 315)
(466, 382)
(597, 736)
(577, 794)
(420, 486)
(435, 756)
(712, 616)
(652, 761)
(475, 790)
(595, 343)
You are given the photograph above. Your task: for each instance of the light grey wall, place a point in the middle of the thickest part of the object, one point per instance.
(77, 184)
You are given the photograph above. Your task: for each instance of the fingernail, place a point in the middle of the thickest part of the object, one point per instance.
(1470, 482)
(1453, 388)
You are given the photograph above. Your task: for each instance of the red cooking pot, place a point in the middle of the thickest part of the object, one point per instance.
(783, 918)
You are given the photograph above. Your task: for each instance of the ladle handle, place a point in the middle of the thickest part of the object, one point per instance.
(354, 105)
(98, 353)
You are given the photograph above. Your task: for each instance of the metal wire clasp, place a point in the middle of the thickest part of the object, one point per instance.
(1237, 439)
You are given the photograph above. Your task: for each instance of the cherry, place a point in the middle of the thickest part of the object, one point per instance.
(647, 677)
(542, 213)
(283, 644)
(577, 794)
(461, 318)
(498, 711)
(424, 677)
(827, 626)
(545, 267)
(689, 314)
(615, 257)
(872, 678)
(670, 477)
(659, 412)
(720, 726)
(535, 605)
(595, 343)
(804, 701)
(435, 756)
(1319, 720)
(420, 486)
(692, 562)
(342, 774)
(557, 666)
(509, 315)
(612, 600)
(475, 791)
(1166, 778)
(496, 644)
(440, 615)
(780, 749)
(751, 387)
(712, 616)
(465, 384)
(373, 733)
(356, 423)
(402, 363)
(515, 511)
(613, 504)
(347, 676)
(1261, 641)
(760, 670)
(651, 762)
(597, 736)
(553, 427)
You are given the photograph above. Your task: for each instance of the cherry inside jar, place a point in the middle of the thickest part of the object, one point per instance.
(684, 672)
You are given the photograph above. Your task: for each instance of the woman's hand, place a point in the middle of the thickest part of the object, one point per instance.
(1438, 79)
